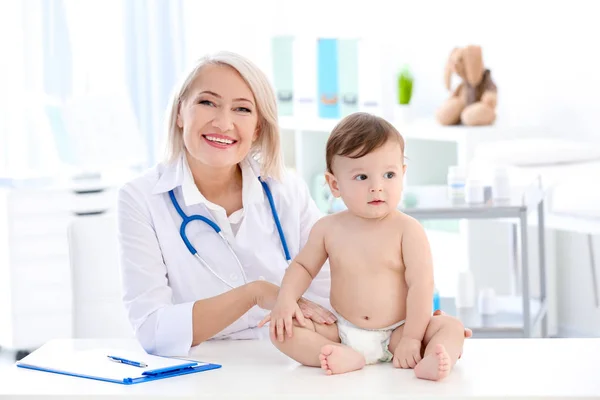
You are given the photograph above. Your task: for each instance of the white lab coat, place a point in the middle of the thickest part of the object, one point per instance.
(162, 279)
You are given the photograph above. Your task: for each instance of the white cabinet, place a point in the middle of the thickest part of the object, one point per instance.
(35, 284)
(579, 284)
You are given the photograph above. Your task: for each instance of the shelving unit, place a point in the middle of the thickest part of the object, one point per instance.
(523, 201)
(430, 150)
(35, 280)
(507, 322)
(304, 142)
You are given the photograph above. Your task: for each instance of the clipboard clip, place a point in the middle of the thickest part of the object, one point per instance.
(170, 370)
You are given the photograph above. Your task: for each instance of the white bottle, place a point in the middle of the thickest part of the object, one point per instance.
(465, 293)
(474, 191)
(501, 185)
(370, 85)
(487, 301)
(456, 183)
(305, 81)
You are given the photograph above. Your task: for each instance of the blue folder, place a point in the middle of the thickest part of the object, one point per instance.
(95, 364)
(327, 78)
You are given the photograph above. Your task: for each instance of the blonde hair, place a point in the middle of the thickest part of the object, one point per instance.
(267, 148)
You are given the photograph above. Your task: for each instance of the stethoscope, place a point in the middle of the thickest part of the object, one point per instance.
(187, 219)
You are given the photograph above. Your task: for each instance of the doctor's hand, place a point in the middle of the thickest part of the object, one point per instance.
(316, 313)
(265, 296)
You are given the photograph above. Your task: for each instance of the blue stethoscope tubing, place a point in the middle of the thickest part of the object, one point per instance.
(187, 219)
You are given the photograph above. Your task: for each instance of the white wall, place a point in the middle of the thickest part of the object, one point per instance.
(543, 55)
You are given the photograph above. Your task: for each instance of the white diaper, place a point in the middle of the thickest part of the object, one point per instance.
(371, 343)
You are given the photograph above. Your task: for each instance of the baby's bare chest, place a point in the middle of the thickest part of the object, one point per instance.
(368, 249)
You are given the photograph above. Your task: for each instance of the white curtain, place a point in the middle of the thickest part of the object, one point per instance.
(86, 83)
(154, 60)
(26, 141)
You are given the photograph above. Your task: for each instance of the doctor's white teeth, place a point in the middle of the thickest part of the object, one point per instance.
(219, 140)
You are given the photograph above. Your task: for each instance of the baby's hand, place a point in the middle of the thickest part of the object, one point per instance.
(407, 353)
(281, 319)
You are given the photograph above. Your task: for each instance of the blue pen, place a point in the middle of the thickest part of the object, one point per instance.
(128, 362)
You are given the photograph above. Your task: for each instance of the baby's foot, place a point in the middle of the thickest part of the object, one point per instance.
(435, 366)
(340, 359)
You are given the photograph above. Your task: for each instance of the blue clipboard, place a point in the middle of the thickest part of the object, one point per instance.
(91, 366)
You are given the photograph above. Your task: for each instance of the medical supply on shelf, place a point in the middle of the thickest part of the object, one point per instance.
(474, 191)
(456, 183)
(501, 185)
(410, 200)
(487, 301)
(436, 299)
(465, 294)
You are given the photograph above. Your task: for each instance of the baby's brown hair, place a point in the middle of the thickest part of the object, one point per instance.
(359, 134)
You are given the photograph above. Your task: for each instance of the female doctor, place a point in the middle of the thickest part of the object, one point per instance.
(207, 235)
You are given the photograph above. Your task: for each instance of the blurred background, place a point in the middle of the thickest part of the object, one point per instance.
(84, 86)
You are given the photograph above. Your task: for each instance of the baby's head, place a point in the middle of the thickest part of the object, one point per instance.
(365, 164)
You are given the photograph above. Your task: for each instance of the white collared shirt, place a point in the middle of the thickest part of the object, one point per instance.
(252, 192)
(162, 279)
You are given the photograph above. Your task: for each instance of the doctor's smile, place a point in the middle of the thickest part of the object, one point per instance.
(219, 141)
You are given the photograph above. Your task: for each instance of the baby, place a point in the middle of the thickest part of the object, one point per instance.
(381, 268)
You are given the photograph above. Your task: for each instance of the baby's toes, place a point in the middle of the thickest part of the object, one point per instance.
(324, 364)
(443, 360)
(441, 353)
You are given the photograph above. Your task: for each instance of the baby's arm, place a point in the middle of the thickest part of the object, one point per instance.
(306, 265)
(298, 276)
(416, 254)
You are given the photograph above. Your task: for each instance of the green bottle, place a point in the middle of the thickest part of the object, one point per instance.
(405, 86)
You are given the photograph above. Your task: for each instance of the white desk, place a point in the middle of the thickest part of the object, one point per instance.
(500, 368)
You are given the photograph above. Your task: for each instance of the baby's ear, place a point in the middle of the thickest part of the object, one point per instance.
(333, 184)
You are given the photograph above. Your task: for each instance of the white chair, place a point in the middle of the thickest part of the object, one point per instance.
(98, 311)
